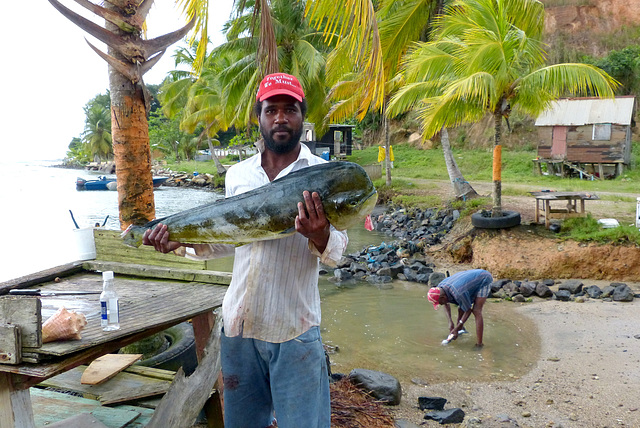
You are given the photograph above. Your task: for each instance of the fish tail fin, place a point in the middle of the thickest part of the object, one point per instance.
(132, 235)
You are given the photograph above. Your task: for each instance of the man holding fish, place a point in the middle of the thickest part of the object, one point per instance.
(273, 360)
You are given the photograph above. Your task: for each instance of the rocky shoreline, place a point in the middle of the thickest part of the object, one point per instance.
(175, 179)
(404, 259)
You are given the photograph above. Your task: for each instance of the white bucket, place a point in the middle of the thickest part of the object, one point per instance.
(85, 243)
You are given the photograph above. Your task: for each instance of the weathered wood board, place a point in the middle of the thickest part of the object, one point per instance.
(182, 403)
(40, 277)
(50, 407)
(24, 312)
(110, 248)
(171, 273)
(10, 344)
(126, 395)
(83, 420)
(104, 368)
(123, 381)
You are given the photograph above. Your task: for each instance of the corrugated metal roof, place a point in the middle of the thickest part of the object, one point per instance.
(587, 111)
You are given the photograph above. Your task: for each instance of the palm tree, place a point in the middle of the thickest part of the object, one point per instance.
(96, 133)
(281, 40)
(362, 69)
(130, 57)
(487, 57)
(359, 82)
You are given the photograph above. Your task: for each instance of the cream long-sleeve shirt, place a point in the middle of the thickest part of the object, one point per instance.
(273, 295)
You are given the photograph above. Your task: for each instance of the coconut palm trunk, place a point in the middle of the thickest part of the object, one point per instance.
(130, 136)
(496, 211)
(461, 187)
(219, 167)
(387, 151)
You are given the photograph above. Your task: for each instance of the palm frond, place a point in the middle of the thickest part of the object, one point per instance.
(535, 90)
(200, 10)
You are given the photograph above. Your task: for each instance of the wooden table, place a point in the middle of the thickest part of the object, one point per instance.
(570, 208)
(147, 306)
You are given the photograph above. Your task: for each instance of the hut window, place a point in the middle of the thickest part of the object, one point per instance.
(601, 132)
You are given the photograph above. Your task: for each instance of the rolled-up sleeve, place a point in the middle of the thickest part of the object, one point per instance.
(206, 251)
(336, 245)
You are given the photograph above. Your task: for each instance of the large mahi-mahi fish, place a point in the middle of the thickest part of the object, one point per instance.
(269, 211)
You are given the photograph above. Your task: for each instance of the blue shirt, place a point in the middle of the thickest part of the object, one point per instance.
(463, 287)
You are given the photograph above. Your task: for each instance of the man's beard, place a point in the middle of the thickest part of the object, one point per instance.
(285, 146)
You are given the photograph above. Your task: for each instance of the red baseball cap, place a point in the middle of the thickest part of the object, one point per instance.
(280, 84)
(434, 296)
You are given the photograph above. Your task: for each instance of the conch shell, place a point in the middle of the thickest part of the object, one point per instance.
(63, 325)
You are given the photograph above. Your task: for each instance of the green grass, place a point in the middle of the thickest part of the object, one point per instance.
(589, 230)
(476, 165)
(202, 167)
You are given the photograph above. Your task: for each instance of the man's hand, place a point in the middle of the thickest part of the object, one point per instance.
(158, 237)
(311, 221)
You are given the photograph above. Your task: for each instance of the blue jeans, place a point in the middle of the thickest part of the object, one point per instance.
(289, 378)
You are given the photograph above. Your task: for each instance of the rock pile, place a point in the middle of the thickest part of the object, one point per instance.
(568, 290)
(403, 258)
(420, 227)
(184, 179)
(202, 181)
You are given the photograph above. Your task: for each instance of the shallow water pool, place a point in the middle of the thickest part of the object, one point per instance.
(395, 329)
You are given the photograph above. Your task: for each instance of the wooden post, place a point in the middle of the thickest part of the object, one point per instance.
(601, 171)
(213, 408)
(15, 404)
(537, 168)
(550, 169)
(547, 212)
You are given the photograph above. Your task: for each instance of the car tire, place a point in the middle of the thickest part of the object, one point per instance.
(180, 353)
(508, 219)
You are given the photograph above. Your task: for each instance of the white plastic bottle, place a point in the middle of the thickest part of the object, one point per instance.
(110, 310)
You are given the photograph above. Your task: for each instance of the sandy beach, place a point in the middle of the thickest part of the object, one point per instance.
(587, 375)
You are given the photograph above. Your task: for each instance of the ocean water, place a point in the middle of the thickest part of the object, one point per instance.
(37, 231)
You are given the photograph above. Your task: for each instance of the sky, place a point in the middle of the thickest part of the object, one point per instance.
(50, 72)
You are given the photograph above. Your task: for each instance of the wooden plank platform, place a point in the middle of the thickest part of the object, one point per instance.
(142, 303)
(146, 305)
